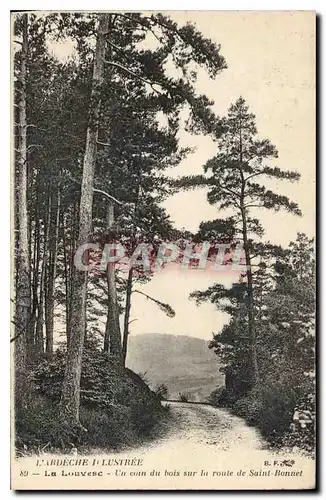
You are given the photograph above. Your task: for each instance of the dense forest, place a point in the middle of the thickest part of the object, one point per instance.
(94, 136)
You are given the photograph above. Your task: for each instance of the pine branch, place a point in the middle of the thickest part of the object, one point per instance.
(118, 65)
(141, 23)
(111, 198)
(166, 308)
(253, 205)
(280, 174)
(252, 175)
(192, 182)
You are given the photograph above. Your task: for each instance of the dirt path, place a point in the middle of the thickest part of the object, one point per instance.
(198, 426)
(208, 448)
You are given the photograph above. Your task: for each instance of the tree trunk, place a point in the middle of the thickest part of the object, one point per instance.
(35, 235)
(129, 280)
(35, 274)
(112, 338)
(23, 296)
(52, 272)
(250, 304)
(39, 338)
(127, 317)
(66, 276)
(254, 375)
(70, 397)
(71, 275)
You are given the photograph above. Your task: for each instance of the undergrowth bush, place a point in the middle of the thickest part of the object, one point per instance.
(221, 397)
(117, 408)
(270, 408)
(274, 408)
(184, 397)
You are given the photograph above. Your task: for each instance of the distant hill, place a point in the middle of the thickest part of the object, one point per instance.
(184, 364)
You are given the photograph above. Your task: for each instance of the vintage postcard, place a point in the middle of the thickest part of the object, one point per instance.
(163, 250)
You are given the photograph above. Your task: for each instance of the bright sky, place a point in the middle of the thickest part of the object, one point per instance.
(271, 63)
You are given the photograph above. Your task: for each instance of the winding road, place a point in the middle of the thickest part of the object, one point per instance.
(208, 448)
(201, 426)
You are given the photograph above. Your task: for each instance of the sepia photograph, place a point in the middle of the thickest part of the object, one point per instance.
(163, 219)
